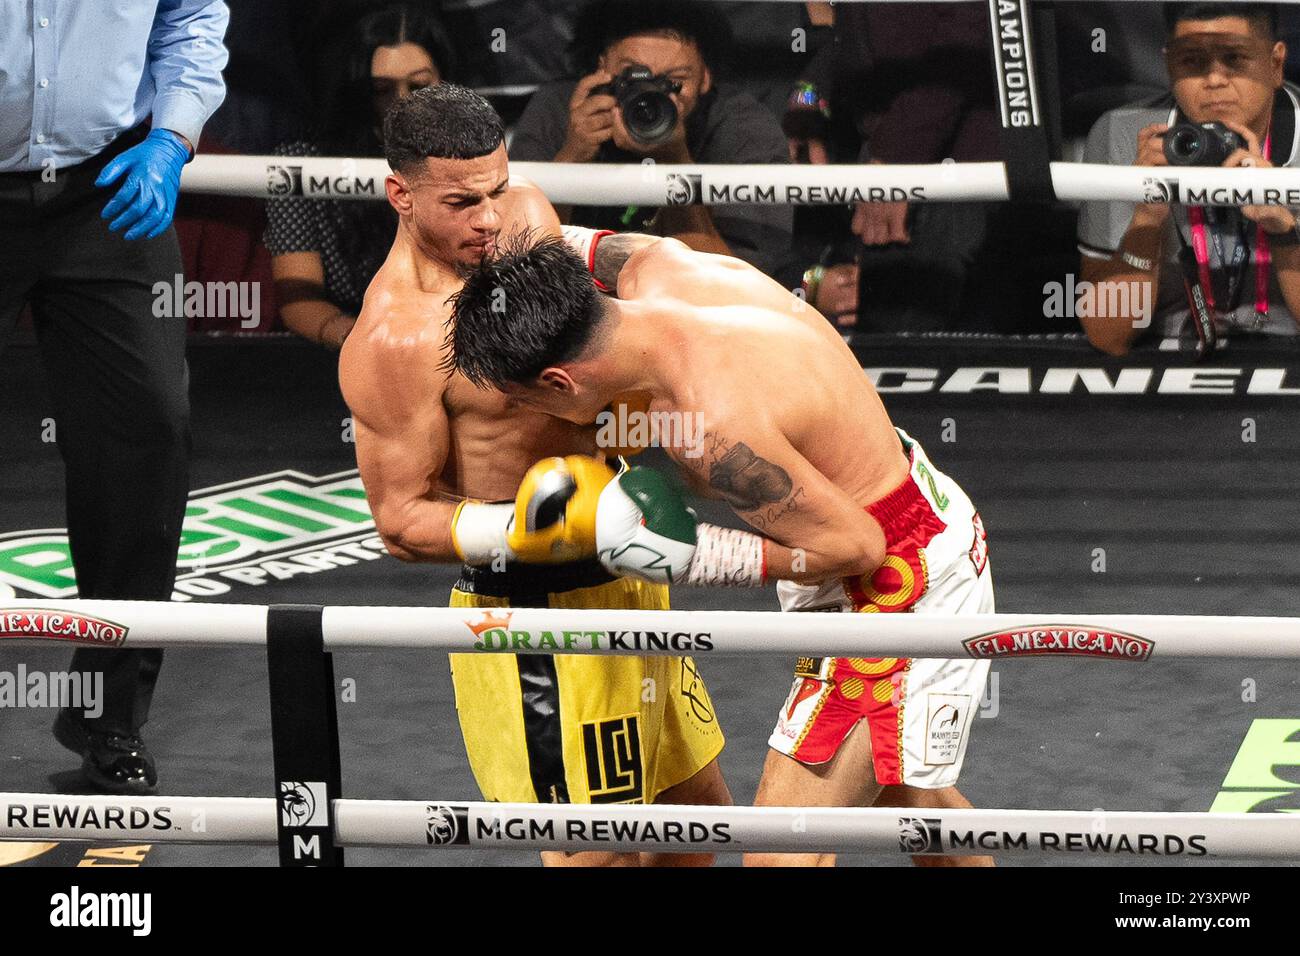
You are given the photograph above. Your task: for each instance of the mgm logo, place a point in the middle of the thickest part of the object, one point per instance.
(286, 182)
(683, 189)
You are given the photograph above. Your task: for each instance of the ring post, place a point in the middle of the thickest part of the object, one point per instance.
(304, 736)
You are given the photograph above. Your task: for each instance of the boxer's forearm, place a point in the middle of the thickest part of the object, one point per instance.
(419, 531)
(806, 566)
(727, 557)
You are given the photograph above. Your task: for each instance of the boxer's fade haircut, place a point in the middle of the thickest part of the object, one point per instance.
(444, 121)
(530, 306)
(1263, 15)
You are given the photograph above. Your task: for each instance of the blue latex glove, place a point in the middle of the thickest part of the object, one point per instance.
(146, 201)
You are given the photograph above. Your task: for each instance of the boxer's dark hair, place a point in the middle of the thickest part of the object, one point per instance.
(1262, 15)
(445, 121)
(528, 307)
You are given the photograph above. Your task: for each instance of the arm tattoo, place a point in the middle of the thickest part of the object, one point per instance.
(612, 253)
(746, 481)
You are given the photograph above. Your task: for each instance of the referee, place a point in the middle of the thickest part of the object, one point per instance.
(100, 107)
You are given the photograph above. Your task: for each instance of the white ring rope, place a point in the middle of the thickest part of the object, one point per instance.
(652, 184)
(659, 827)
(1126, 637)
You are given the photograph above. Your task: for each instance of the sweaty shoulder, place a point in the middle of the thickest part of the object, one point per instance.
(671, 267)
(394, 355)
(527, 207)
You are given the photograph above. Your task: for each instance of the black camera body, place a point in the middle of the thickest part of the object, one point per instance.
(643, 98)
(1200, 144)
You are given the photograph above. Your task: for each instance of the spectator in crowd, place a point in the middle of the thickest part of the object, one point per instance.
(772, 46)
(1225, 65)
(576, 122)
(886, 92)
(324, 251)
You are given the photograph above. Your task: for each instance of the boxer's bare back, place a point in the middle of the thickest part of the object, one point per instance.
(794, 432)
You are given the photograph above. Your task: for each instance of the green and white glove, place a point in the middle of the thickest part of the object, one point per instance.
(644, 530)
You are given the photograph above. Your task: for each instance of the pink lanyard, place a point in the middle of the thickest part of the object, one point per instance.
(1263, 258)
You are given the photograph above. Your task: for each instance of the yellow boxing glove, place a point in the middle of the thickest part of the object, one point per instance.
(555, 510)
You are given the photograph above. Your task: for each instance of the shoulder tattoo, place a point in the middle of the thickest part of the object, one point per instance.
(612, 253)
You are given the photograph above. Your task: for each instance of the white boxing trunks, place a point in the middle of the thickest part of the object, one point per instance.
(919, 711)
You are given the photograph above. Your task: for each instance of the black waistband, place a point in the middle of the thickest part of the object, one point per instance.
(528, 584)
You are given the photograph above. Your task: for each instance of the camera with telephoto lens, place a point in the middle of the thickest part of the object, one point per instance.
(1200, 144)
(648, 111)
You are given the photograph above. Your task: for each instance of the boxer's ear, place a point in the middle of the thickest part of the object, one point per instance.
(398, 191)
(556, 380)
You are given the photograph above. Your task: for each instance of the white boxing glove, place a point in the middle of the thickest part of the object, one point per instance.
(644, 529)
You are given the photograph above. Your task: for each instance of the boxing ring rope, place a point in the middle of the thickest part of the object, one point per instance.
(1131, 637)
(652, 184)
(657, 827)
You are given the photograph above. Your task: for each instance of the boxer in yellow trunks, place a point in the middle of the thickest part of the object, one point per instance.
(592, 729)
(441, 461)
(850, 513)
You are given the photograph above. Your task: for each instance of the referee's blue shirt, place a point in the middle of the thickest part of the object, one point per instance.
(76, 74)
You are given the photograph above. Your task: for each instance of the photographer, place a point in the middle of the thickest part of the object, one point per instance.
(1225, 269)
(659, 50)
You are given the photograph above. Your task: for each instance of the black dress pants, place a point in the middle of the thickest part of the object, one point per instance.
(119, 383)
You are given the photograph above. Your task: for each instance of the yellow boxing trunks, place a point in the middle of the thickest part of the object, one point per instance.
(569, 728)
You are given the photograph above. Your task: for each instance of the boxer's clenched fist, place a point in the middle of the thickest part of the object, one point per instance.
(644, 529)
(555, 510)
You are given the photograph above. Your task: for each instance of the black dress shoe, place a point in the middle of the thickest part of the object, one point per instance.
(114, 763)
